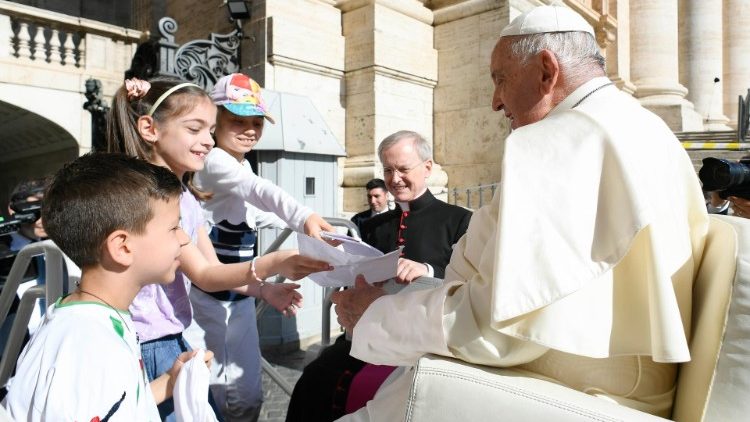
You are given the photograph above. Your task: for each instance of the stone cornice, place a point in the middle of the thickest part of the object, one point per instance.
(396, 74)
(411, 8)
(451, 11)
(289, 62)
(605, 24)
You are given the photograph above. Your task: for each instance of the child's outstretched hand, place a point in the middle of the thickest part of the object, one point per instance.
(294, 266)
(316, 224)
(282, 296)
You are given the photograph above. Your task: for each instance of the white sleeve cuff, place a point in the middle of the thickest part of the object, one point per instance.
(430, 270)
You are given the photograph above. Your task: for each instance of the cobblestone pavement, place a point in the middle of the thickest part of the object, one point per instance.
(289, 365)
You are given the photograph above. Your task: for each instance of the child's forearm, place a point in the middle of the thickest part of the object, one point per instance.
(213, 276)
(216, 278)
(265, 266)
(162, 387)
(252, 289)
(239, 277)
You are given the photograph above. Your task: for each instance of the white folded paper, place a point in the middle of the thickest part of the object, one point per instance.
(350, 258)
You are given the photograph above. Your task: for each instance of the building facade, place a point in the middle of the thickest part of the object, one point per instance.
(376, 66)
(371, 67)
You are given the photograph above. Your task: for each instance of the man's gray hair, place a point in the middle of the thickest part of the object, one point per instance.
(576, 51)
(424, 150)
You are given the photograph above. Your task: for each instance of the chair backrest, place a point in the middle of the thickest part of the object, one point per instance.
(57, 265)
(715, 384)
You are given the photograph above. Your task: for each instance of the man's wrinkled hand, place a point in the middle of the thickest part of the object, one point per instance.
(352, 303)
(409, 271)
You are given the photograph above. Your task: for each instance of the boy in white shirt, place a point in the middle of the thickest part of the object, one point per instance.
(117, 218)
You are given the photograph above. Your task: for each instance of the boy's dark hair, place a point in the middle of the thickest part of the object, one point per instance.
(99, 193)
(374, 184)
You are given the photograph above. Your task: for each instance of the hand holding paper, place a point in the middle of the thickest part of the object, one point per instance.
(349, 259)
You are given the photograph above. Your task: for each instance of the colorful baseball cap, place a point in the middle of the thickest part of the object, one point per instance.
(544, 19)
(239, 94)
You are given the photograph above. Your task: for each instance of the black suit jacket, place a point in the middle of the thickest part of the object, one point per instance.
(427, 231)
(360, 218)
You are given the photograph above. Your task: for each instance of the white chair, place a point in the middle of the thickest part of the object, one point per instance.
(714, 386)
(53, 288)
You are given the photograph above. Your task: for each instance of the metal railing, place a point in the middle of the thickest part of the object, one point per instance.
(262, 306)
(725, 140)
(474, 196)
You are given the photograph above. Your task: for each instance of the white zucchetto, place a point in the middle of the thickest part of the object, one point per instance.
(544, 19)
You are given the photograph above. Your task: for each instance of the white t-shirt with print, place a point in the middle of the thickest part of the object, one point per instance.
(83, 364)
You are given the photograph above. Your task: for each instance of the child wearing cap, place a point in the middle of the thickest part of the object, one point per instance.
(117, 218)
(226, 320)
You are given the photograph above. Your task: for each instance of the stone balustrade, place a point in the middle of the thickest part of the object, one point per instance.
(45, 60)
(30, 35)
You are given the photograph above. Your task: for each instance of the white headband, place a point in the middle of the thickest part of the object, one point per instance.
(166, 94)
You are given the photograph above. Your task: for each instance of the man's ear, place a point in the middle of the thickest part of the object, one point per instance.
(549, 71)
(117, 246)
(147, 129)
(428, 166)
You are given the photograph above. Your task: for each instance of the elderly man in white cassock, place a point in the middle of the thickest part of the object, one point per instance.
(589, 282)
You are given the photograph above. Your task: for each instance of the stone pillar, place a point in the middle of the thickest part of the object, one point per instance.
(701, 59)
(390, 73)
(736, 54)
(618, 50)
(654, 66)
(469, 136)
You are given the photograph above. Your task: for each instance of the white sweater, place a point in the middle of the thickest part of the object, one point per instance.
(237, 191)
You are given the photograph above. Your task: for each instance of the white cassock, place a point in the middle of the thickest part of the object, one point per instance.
(588, 250)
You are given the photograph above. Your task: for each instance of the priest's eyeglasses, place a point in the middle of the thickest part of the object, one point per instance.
(404, 171)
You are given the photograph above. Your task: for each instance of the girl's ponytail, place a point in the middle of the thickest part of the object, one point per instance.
(122, 127)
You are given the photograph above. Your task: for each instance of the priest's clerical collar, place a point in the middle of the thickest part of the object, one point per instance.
(416, 204)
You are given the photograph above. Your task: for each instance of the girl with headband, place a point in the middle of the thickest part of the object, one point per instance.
(169, 122)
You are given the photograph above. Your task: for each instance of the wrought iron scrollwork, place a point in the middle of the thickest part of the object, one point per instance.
(205, 61)
(202, 62)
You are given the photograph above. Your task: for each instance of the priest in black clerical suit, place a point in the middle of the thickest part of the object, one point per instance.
(426, 227)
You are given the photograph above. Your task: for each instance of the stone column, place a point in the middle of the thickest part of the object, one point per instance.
(736, 54)
(654, 66)
(701, 59)
(469, 136)
(618, 51)
(390, 72)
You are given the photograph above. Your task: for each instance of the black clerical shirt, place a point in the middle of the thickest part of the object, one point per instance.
(427, 231)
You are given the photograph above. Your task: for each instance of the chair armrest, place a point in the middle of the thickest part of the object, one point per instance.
(446, 389)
